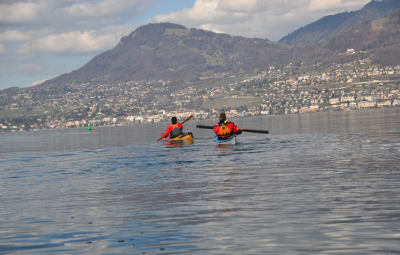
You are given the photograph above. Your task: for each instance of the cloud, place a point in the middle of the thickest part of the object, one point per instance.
(66, 26)
(257, 18)
(13, 36)
(102, 8)
(70, 42)
(20, 12)
(61, 14)
(41, 33)
(238, 6)
(315, 5)
(76, 42)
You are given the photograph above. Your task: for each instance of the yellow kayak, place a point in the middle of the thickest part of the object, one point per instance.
(186, 138)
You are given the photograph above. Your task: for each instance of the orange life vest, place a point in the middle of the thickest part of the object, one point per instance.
(224, 130)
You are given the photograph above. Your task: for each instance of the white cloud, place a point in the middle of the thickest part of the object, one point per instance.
(102, 8)
(20, 12)
(315, 5)
(257, 18)
(238, 6)
(66, 26)
(201, 12)
(13, 36)
(72, 42)
(76, 42)
(41, 33)
(69, 13)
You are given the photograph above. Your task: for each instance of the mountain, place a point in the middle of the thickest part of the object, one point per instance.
(381, 37)
(172, 52)
(327, 27)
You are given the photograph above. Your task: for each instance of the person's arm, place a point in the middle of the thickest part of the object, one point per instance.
(234, 127)
(238, 130)
(216, 129)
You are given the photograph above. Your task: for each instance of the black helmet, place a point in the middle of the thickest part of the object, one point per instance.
(222, 116)
(174, 120)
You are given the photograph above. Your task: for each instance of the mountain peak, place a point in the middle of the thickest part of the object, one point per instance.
(151, 32)
(156, 28)
(383, 3)
(327, 27)
(152, 27)
(167, 51)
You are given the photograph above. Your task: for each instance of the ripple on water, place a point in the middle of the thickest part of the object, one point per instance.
(287, 193)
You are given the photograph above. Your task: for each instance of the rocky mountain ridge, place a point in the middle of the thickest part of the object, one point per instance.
(328, 27)
(168, 51)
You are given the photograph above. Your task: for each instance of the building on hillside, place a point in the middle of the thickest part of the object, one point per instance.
(336, 107)
(304, 109)
(353, 105)
(139, 119)
(314, 108)
(385, 103)
(347, 99)
(334, 101)
(368, 98)
(130, 118)
(365, 104)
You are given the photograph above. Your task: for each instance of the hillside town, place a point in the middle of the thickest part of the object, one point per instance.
(273, 91)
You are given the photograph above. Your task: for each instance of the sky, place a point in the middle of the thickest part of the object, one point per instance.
(41, 39)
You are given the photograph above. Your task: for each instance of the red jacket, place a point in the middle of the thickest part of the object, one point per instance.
(172, 127)
(230, 124)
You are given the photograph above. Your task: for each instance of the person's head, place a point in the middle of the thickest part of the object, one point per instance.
(174, 120)
(222, 116)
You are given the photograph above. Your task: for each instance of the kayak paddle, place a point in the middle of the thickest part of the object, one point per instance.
(244, 129)
(183, 122)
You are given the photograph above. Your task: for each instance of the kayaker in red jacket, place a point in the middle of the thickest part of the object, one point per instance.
(173, 130)
(224, 129)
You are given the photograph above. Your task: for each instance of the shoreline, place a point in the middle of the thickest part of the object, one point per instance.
(94, 126)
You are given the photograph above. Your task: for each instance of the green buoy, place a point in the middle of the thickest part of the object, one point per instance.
(89, 128)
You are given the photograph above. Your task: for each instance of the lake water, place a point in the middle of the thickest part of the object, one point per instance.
(325, 183)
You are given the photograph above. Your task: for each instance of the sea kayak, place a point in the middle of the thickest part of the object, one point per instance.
(186, 138)
(231, 139)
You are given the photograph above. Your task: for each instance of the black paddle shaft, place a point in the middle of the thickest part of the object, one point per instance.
(205, 127)
(244, 130)
(255, 131)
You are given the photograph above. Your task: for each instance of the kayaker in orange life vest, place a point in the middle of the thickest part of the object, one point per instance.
(224, 129)
(173, 130)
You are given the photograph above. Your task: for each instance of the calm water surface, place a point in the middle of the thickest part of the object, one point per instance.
(324, 183)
